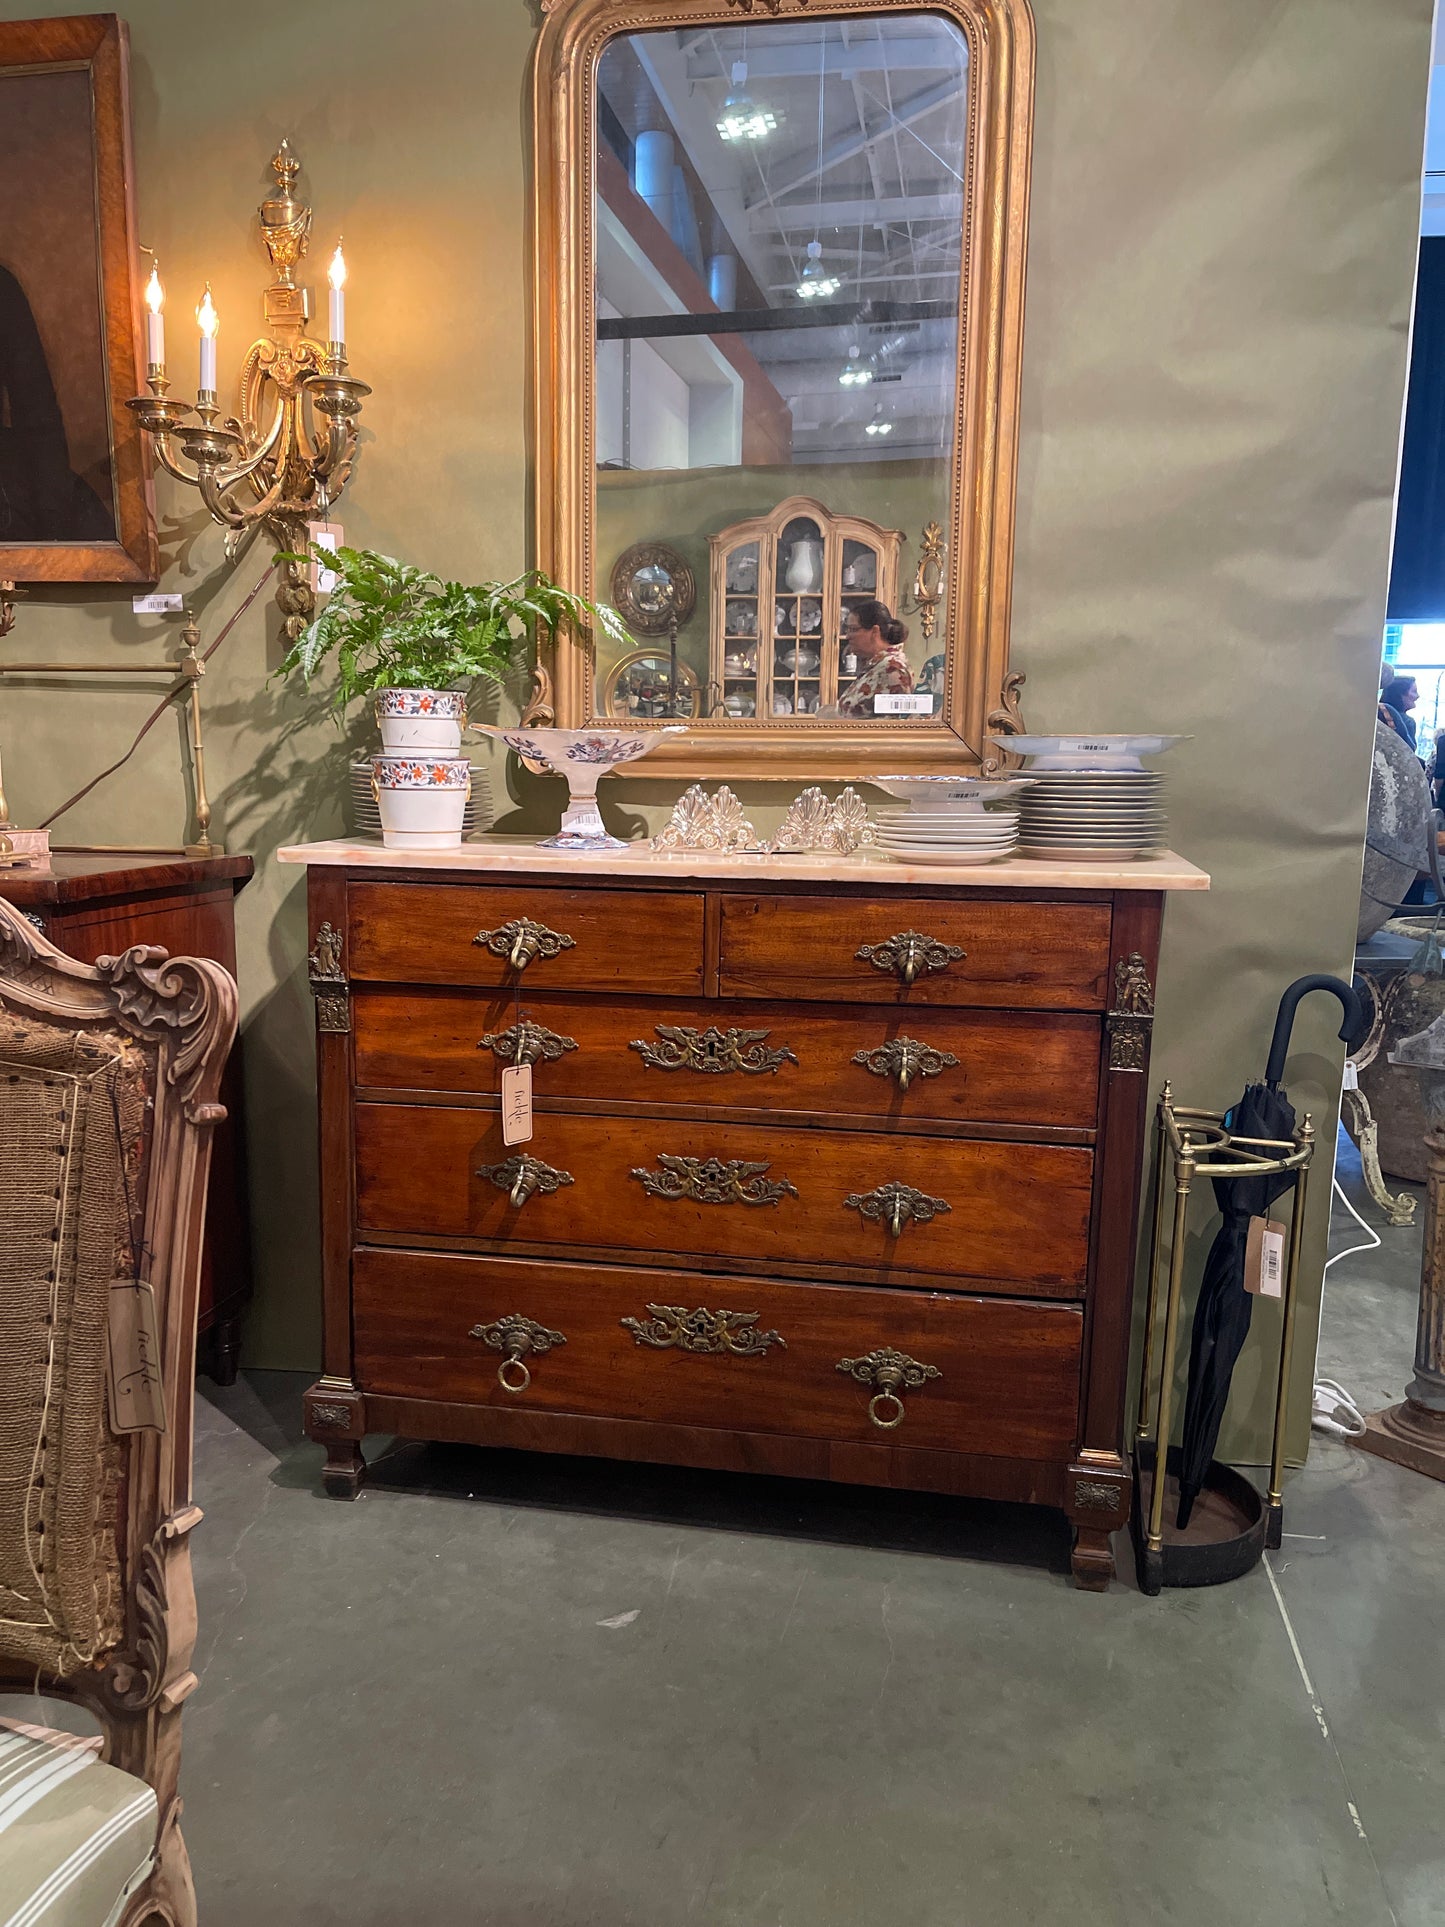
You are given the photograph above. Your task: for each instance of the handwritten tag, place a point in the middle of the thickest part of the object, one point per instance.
(157, 605)
(517, 1104)
(330, 536)
(137, 1392)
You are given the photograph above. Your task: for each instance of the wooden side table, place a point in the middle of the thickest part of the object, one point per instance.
(94, 906)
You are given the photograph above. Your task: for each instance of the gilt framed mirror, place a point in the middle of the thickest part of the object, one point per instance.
(778, 273)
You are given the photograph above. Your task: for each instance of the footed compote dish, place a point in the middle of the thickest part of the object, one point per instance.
(582, 756)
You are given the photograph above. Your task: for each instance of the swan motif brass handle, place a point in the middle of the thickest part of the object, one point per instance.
(521, 939)
(903, 1059)
(523, 1176)
(896, 1204)
(519, 1338)
(907, 952)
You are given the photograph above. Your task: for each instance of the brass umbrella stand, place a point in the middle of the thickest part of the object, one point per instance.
(1233, 1524)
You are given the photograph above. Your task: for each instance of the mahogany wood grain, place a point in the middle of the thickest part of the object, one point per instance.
(1018, 954)
(1019, 1211)
(898, 1467)
(1013, 1067)
(423, 933)
(1009, 1372)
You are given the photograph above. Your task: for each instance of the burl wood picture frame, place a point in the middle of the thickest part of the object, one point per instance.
(75, 494)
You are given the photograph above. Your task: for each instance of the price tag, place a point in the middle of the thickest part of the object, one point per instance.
(1352, 1076)
(157, 605)
(904, 702)
(1264, 1258)
(517, 1104)
(324, 535)
(137, 1395)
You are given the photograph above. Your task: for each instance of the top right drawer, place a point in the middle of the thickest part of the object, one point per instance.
(917, 951)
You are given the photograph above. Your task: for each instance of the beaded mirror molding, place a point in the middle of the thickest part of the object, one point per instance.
(779, 293)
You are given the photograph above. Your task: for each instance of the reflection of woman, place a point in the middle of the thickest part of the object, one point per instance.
(40, 499)
(873, 634)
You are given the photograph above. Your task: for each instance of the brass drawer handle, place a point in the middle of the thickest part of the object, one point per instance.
(524, 1176)
(526, 1043)
(519, 1338)
(903, 1059)
(893, 1373)
(907, 952)
(896, 1204)
(718, 1051)
(675, 1327)
(711, 1181)
(521, 939)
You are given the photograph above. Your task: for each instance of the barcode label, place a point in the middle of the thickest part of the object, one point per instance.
(905, 702)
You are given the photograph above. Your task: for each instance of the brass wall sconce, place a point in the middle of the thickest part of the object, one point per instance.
(283, 459)
(928, 580)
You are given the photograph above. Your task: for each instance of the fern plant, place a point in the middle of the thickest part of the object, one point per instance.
(391, 625)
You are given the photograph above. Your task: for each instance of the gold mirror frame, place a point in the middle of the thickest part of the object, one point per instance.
(981, 694)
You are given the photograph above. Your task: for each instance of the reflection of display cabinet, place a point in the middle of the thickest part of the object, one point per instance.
(781, 588)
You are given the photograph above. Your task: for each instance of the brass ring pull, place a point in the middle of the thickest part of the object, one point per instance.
(892, 1398)
(522, 1377)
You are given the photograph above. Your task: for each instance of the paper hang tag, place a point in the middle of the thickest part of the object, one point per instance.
(517, 1104)
(137, 1392)
(1264, 1258)
(1352, 1076)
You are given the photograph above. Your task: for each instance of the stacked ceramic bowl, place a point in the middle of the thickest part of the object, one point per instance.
(1091, 799)
(948, 819)
(366, 811)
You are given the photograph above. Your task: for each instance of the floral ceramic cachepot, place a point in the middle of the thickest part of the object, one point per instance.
(425, 719)
(422, 800)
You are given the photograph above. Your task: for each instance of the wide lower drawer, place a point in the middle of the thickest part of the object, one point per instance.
(917, 951)
(959, 1374)
(526, 935)
(996, 1066)
(1012, 1214)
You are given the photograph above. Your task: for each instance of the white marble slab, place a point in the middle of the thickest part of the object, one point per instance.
(507, 854)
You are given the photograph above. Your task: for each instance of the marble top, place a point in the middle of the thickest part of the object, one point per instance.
(506, 853)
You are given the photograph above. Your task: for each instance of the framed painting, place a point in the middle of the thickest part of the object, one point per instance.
(75, 502)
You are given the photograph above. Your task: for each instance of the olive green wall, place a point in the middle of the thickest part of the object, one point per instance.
(685, 507)
(1221, 255)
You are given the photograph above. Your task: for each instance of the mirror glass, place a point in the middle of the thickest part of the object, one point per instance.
(778, 229)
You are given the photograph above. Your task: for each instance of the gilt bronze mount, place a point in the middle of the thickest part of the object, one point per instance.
(674, 1327)
(713, 1181)
(907, 952)
(711, 1051)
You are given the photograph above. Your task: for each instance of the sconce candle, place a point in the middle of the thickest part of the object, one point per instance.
(336, 304)
(155, 320)
(209, 322)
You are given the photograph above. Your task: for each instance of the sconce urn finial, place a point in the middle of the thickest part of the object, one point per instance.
(285, 221)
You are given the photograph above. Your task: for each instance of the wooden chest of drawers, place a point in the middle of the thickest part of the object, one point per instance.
(833, 1176)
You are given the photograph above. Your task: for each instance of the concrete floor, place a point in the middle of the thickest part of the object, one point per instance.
(552, 1693)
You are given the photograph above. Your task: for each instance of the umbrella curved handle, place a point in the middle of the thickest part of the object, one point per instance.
(1352, 1029)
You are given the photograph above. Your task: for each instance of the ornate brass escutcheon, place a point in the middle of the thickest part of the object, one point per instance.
(675, 1327)
(903, 1059)
(526, 1043)
(711, 1050)
(907, 952)
(896, 1204)
(518, 1338)
(894, 1373)
(521, 939)
(523, 1176)
(713, 1181)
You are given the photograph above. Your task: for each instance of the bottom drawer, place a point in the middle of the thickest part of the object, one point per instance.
(988, 1376)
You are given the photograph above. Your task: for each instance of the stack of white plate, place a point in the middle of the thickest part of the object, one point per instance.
(947, 836)
(366, 816)
(1092, 815)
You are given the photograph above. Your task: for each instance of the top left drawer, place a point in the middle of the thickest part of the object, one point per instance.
(434, 933)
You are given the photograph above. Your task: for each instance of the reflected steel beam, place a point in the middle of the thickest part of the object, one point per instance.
(750, 321)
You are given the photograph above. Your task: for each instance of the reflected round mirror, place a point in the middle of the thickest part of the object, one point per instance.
(653, 588)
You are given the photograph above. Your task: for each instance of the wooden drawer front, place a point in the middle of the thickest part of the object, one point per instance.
(1031, 956)
(426, 933)
(1007, 1379)
(1018, 1212)
(1010, 1067)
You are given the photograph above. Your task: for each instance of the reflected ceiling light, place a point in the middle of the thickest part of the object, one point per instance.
(815, 284)
(878, 426)
(742, 119)
(856, 372)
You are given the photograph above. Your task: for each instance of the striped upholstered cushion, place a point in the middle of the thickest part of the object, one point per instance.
(75, 1836)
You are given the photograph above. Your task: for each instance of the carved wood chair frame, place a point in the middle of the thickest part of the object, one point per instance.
(184, 1010)
(981, 692)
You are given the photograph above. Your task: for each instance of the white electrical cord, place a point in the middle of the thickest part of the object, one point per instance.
(1332, 1409)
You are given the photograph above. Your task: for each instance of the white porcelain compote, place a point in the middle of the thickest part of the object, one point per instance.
(583, 756)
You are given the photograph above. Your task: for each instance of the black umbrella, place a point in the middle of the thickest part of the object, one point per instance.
(1221, 1316)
